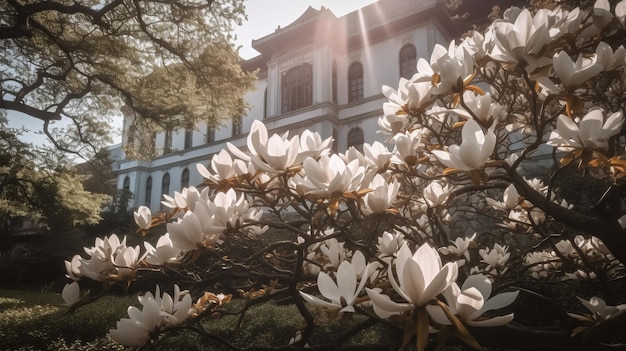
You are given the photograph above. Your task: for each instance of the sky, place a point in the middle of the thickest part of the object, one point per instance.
(264, 16)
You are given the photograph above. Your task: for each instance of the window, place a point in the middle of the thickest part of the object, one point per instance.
(126, 186)
(237, 122)
(265, 104)
(408, 61)
(334, 79)
(165, 184)
(355, 138)
(148, 198)
(184, 178)
(355, 82)
(210, 133)
(297, 88)
(188, 138)
(167, 147)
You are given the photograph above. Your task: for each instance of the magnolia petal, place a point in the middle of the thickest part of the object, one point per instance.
(316, 301)
(492, 322)
(327, 287)
(496, 302)
(385, 303)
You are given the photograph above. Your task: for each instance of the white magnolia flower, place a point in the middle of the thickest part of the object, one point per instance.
(377, 155)
(408, 148)
(344, 292)
(592, 132)
(411, 98)
(185, 199)
(223, 168)
(73, 267)
(600, 311)
(620, 12)
(382, 196)
(473, 300)
(482, 107)
(519, 40)
(571, 74)
(496, 258)
(332, 175)
(474, 151)
(389, 243)
(542, 264)
(421, 278)
(70, 294)
(164, 252)
(459, 247)
(436, 193)
(157, 313)
(510, 197)
(143, 217)
(608, 58)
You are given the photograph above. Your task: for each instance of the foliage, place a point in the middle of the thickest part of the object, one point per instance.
(43, 184)
(460, 234)
(166, 63)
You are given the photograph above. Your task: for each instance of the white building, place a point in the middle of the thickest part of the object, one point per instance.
(321, 73)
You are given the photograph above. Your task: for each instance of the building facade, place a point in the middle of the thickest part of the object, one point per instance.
(321, 72)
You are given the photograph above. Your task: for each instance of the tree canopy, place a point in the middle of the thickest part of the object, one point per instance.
(43, 184)
(160, 62)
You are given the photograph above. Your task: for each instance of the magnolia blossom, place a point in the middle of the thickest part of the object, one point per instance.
(70, 294)
(158, 312)
(447, 68)
(408, 148)
(519, 40)
(473, 300)
(382, 196)
(480, 106)
(421, 278)
(109, 258)
(334, 251)
(143, 217)
(571, 74)
(510, 197)
(473, 152)
(164, 252)
(592, 132)
(600, 311)
(223, 168)
(542, 264)
(410, 98)
(608, 58)
(459, 248)
(390, 243)
(186, 198)
(331, 175)
(377, 155)
(496, 258)
(436, 193)
(344, 292)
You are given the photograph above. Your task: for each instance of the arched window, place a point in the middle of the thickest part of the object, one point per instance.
(148, 197)
(356, 139)
(408, 61)
(165, 184)
(355, 82)
(297, 88)
(126, 186)
(334, 82)
(184, 178)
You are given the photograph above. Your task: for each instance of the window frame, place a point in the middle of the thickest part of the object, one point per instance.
(355, 82)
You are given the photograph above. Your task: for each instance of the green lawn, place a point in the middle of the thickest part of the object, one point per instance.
(30, 320)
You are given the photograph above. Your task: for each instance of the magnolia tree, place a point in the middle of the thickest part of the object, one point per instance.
(502, 174)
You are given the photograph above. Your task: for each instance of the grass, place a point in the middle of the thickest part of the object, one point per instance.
(32, 320)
